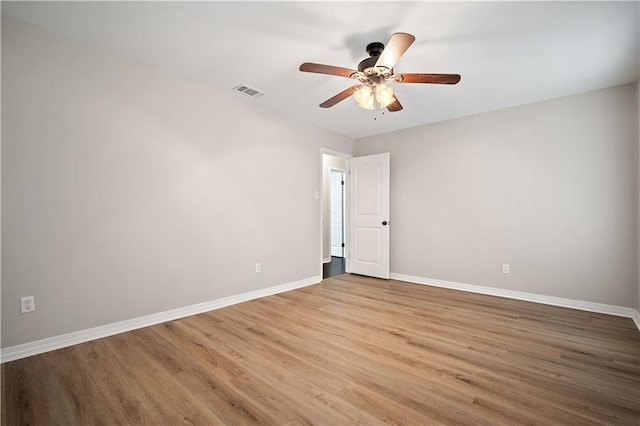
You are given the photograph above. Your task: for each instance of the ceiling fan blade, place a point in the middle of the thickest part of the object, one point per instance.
(339, 97)
(397, 45)
(395, 105)
(429, 78)
(326, 69)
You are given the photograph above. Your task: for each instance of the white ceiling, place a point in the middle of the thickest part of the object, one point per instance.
(508, 53)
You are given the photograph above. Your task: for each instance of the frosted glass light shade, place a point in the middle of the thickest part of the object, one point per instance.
(369, 104)
(363, 96)
(384, 95)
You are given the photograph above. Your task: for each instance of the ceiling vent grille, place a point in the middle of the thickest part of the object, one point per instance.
(247, 90)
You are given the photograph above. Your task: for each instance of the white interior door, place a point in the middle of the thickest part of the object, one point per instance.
(337, 229)
(369, 215)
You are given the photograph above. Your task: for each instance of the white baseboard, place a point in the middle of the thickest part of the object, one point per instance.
(636, 318)
(601, 308)
(58, 342)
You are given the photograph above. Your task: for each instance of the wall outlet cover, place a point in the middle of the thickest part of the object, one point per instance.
(27, 304)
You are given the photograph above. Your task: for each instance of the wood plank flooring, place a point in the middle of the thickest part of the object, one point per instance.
(351, 350)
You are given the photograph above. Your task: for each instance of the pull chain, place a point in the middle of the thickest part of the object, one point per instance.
(375, 109)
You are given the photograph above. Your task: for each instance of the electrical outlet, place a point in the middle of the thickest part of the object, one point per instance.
(27, 304)
(505, 268)
(257, 267)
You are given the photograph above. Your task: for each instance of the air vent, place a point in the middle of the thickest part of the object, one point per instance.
(250, 91)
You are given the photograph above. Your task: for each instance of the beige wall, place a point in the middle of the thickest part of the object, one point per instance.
(127, 192)
(548, 188)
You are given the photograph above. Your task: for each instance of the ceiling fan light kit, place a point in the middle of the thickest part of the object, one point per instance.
(375, 72)
(366, 96)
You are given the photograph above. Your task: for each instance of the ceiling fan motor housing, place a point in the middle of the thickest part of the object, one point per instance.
(375, 48)
(367, 66)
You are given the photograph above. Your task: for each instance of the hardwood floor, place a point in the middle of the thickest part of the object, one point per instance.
(352, 350)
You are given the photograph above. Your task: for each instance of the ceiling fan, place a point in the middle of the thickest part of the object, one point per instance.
(375, 72)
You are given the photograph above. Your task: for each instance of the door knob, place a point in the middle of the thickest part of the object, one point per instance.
(384, 223)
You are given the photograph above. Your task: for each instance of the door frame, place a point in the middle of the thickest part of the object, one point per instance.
(345, 205)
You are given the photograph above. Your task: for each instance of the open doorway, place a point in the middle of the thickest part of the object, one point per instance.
(366, 227)
(336, 211)
(334, 255)
(337, 265)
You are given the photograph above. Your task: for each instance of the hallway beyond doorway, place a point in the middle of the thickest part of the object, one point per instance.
(333, 268)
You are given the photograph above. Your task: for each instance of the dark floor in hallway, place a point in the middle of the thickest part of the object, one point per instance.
(333, 268)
